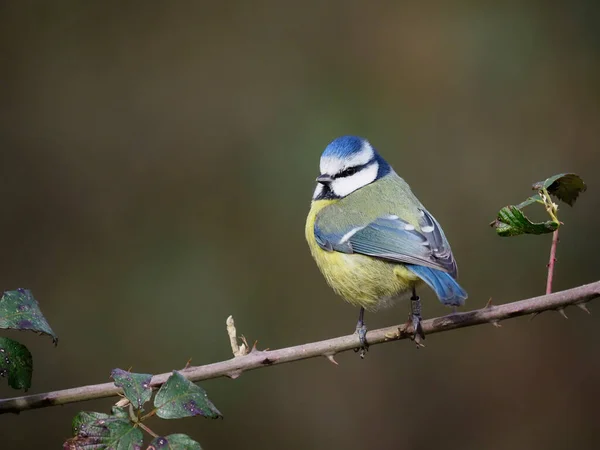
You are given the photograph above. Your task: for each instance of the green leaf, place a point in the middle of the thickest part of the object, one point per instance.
(85, 418)
(512, 222)
(174, 442)
(136, 386)
(179, 397)
(120, 412)
(94, 431)
(565, 187)
(533, 199)
(20, 311)
(16, 363)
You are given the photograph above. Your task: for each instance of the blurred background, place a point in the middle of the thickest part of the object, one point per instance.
(157, 164)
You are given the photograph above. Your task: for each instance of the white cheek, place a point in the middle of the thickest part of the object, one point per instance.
(346, 185)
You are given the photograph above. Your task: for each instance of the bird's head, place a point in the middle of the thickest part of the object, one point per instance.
(347, 164)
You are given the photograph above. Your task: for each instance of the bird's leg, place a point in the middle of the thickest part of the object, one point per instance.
(415, 317)
(361, 330)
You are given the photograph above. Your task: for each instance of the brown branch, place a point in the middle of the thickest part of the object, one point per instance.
(232, 368)
(552, 261)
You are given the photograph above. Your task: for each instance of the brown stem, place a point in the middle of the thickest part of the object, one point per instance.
(257, 359)
(147, 430)
(551, 262)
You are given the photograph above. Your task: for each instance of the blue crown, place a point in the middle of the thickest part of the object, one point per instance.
(344, 146)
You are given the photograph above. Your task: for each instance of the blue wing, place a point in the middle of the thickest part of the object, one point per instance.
(425, 252)
(394, 239)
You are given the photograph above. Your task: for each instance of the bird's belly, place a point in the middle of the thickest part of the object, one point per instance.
(365, 281)
(361, 280)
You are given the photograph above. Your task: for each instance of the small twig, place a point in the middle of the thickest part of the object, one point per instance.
(147, 430)
(551, 262)
(257, 359)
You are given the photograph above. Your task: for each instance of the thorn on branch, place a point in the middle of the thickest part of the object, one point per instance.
(496, 323)
(489, 303)
(234, 374)
(583, 307)
(254, 348)
(331, 358)
(562, 312)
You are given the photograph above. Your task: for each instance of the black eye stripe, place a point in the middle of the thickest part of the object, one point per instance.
(346, 173)
(352, 170)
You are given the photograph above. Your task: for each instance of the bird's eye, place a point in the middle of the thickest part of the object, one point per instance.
(348, 172)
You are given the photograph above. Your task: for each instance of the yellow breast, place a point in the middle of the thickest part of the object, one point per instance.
(360, 280)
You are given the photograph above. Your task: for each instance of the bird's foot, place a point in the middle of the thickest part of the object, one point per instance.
(361, 330)
(415, 318)
(418, 335)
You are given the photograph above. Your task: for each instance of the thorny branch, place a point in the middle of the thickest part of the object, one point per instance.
(234, 367)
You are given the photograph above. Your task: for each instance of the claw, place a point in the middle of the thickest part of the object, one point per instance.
(362, 336)
(418, 335)
(415, 318)
(361, 330)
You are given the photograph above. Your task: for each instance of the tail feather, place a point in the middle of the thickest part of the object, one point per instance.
(446, 288)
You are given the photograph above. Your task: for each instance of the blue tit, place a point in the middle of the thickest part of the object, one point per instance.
(372, 238)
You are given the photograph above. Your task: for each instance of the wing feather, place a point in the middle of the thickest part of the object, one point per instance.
(394, 239)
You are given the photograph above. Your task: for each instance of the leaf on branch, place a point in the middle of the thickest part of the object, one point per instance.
(119, 412)
(92, 431)
(20, 311)
(537, 198)
(179, 397)
(136, 386)
(512, 222)
(174, 442)
(565, 187)
(16, 363)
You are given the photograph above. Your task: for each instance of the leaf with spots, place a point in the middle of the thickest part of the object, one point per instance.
(179, 397)
(174, 442)
(512, 222)
(136, 386)
(84, 418)
(16, 363)
(565, 187)
(93, 431)
(20, 311)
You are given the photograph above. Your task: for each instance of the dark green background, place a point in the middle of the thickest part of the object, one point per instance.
(157, 165)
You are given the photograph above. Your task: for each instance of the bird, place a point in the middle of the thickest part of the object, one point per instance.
(372, 239)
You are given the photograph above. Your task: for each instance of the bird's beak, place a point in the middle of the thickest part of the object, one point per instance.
(324, 179)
